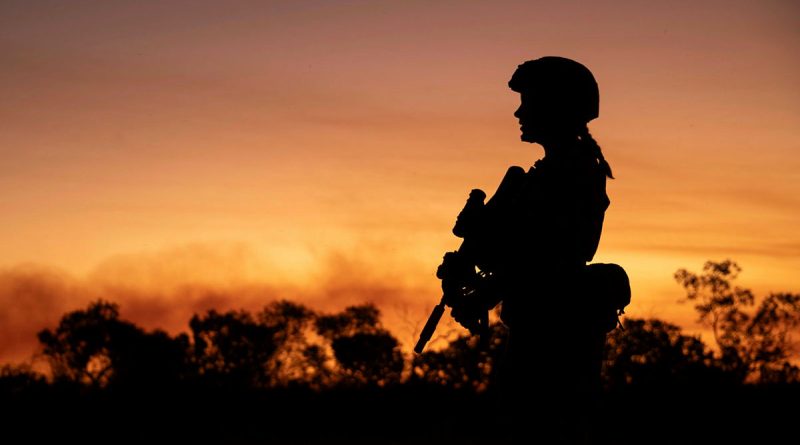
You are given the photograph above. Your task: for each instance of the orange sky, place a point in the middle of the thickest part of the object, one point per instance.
(180, 155)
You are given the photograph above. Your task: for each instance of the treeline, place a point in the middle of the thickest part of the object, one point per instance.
(292, 373)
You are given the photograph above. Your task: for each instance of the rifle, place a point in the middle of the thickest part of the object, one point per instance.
(462, 284)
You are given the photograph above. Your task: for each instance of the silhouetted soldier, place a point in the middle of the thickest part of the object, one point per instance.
(542, 227)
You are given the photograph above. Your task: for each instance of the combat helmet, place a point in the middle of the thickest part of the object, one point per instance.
(565, 87)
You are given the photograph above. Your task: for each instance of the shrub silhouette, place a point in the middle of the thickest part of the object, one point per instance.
(19, 380)
(464, 364)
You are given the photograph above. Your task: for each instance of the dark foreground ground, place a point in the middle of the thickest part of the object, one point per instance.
(402, 415)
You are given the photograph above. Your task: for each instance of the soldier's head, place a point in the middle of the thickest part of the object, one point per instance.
(558, 96)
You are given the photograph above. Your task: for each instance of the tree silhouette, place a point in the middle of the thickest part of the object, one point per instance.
(367, 353)
(232, 349)
(755, 344)
(248, 376)
(653, 353)
(150, 361)
(297, 360)
(82, 348)
(95, 347)
(770, 347)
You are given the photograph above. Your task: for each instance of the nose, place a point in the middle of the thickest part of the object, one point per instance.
(518, 113)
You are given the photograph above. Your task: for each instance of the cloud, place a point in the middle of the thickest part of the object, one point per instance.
(163, 289)
(32, 297)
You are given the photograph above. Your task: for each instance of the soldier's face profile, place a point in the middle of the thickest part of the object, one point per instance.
(532, 118)
(542, 118)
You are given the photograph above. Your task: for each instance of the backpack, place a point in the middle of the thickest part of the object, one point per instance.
(608, 287)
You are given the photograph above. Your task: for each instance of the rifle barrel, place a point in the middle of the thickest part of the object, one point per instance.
(430, 327)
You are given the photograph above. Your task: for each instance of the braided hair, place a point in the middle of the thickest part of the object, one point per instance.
(588, 141)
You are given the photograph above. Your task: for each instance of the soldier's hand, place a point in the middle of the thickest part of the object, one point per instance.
(468, 313)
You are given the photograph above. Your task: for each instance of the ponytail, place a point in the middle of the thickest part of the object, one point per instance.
(587, 140)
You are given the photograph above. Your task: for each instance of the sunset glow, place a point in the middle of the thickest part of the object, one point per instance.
(177, 156)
